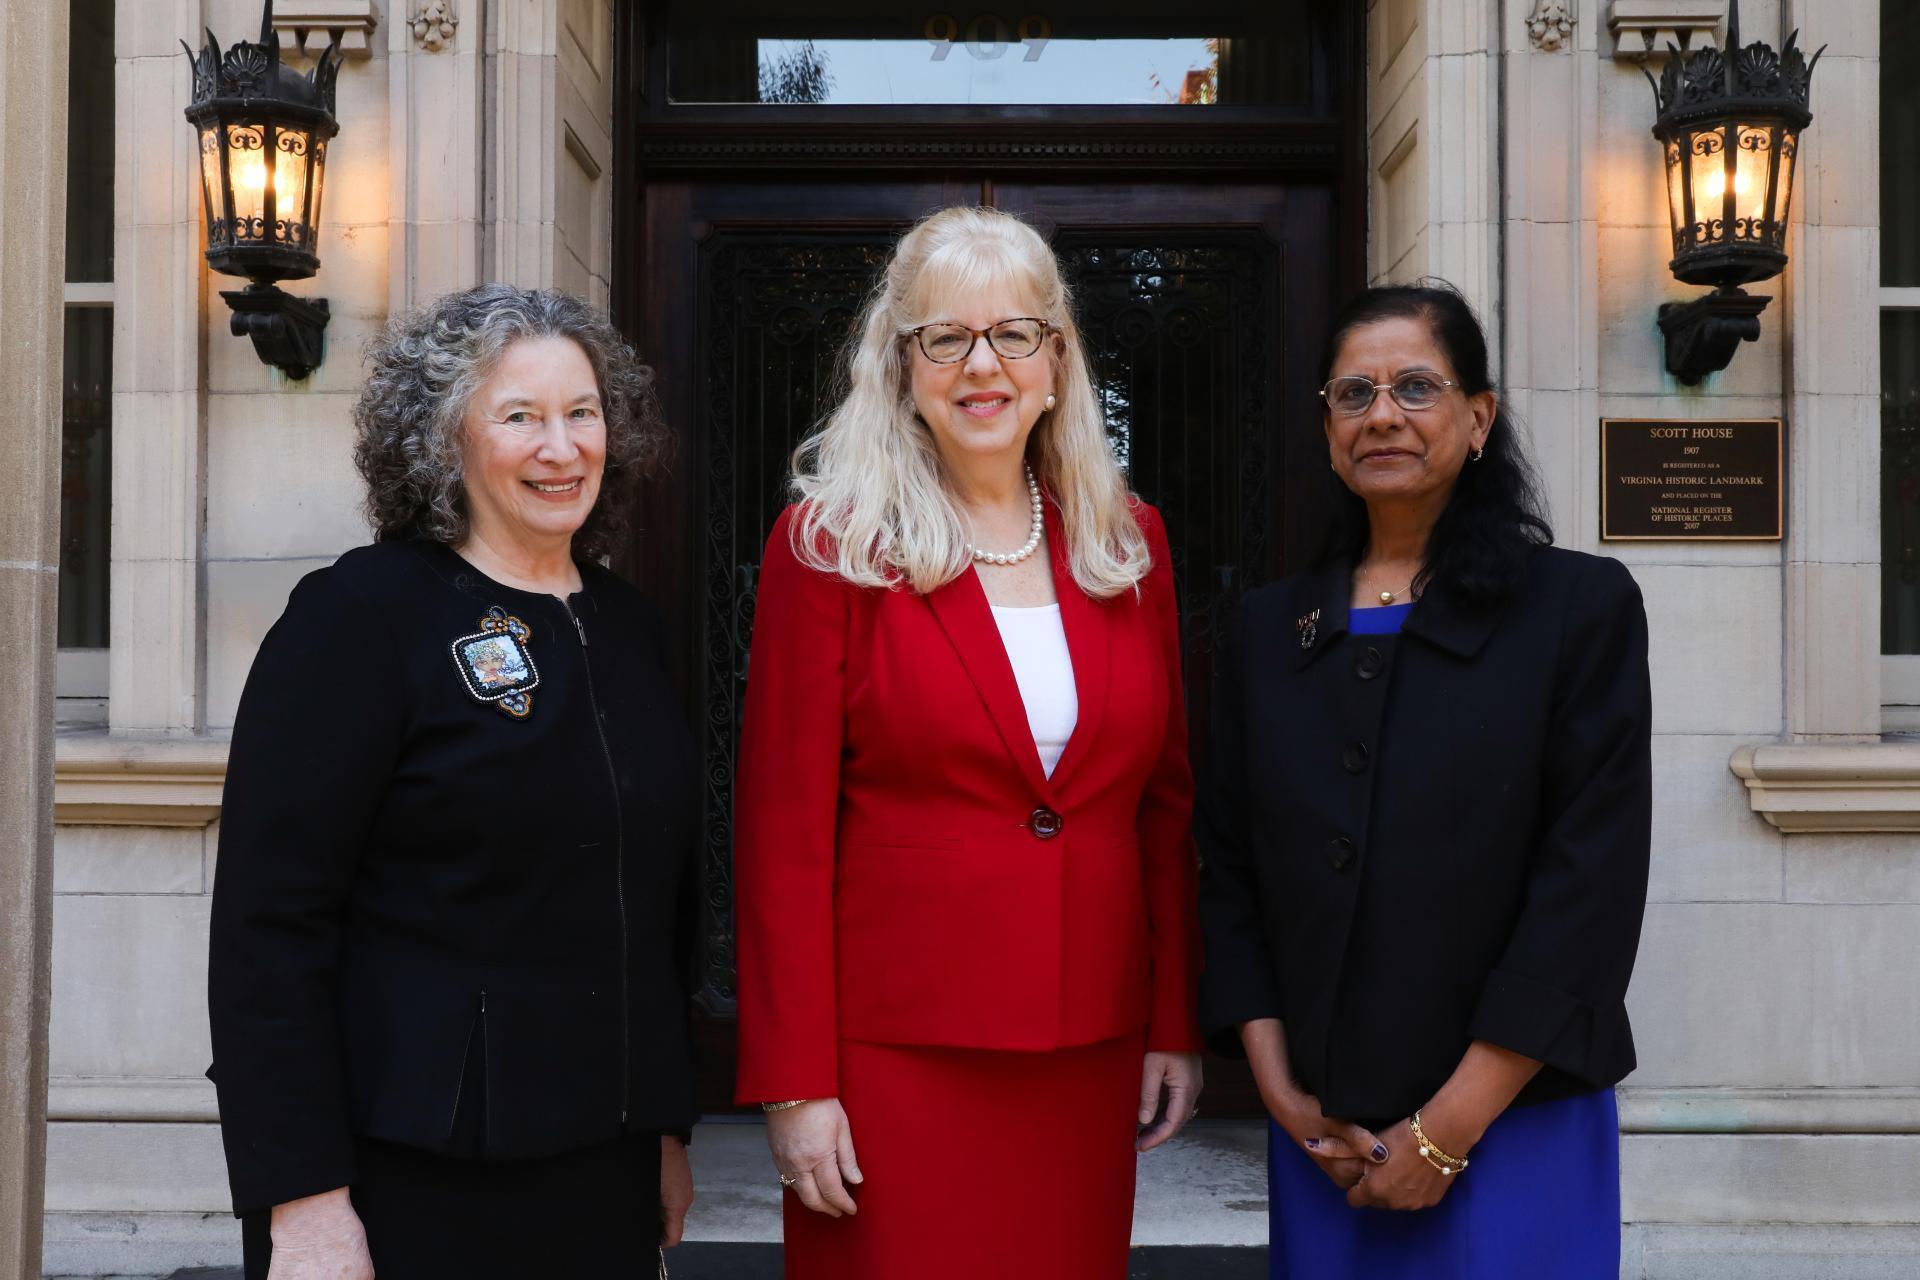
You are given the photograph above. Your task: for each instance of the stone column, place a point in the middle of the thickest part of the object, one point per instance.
(1434, 139)
(33, 163)
(1833, 381)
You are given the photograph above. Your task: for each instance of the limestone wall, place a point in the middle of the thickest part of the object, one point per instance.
(1774, 1125)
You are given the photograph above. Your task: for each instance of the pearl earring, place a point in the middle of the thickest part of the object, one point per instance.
(1050, 402)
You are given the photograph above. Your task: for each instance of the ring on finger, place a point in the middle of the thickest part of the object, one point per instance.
(787, 1180)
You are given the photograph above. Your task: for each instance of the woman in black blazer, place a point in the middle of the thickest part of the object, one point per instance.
(1426, 839)
(449, 1026)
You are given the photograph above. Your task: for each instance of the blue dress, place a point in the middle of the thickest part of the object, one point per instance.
(1541, 1198)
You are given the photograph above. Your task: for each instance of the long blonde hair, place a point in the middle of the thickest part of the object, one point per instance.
(874, 508)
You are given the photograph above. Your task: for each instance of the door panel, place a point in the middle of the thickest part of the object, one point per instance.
(753, 290)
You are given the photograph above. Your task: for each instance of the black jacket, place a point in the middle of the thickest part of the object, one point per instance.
(1412, 842)
(434, 922)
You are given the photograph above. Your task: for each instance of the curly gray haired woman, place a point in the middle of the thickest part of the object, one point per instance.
(423, 370)
(448, 1020)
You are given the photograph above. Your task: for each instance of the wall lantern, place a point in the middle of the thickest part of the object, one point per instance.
(263, 132)
(1730, 124)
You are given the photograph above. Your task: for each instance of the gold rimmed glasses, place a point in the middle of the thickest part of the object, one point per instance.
(1414, 390)
(948, 343)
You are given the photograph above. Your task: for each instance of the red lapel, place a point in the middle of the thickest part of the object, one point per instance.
(964, 614)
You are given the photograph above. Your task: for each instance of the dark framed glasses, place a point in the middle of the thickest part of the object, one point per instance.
(949, 343)
(1413, 391)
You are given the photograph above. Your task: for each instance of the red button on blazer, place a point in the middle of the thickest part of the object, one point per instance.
(889, 883)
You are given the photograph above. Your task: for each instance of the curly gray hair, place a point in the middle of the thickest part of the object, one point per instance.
(425, 366)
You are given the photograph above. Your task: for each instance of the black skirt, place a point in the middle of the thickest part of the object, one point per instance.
(587, 1214)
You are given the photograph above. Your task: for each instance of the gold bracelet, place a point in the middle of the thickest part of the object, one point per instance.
(1431, 1153)
(771, 1107)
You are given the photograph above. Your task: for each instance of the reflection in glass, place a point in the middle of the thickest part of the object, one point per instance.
(90, 134)
(86, 468)
(1899, 138)
(990, 62)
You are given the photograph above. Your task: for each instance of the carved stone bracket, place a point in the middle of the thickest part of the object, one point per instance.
(1647, 28)
(433, 24)
(1819, 787)
(305, 27)
(1550, 25)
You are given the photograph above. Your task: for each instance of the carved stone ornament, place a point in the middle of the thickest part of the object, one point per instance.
(305, 27)
(433, 24)
(1645, 29)
(1550, 25)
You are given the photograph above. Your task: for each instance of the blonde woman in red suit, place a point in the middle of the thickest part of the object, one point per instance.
(963, 865)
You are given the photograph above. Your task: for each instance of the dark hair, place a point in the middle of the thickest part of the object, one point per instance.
(1495, 517)
(426, 365)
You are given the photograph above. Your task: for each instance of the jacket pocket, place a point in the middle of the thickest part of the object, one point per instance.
(406, 1027)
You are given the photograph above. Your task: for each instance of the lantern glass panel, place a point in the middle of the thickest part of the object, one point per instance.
(247, 162)
(1708, 178)
(317, 171)
(291, 153)
(1754, 155)
(1677, 194)
(219, 225)
(1789, 153)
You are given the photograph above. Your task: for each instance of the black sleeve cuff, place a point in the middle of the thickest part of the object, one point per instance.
(1591, 1043)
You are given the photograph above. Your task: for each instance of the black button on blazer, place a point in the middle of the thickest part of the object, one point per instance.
(1415, 841)
(436, 923)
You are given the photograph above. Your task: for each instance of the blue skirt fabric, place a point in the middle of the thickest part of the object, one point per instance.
(1541, 1198)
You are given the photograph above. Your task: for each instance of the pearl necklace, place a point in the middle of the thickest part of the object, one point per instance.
(1032, 543)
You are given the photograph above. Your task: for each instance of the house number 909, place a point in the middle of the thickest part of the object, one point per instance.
(987, 37)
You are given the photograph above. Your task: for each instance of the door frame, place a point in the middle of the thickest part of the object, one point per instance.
(659, 142)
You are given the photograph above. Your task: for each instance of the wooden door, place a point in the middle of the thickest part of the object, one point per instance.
(1182, 291)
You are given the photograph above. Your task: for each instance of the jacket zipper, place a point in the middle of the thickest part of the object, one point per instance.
(619, 869)
(460, 1090)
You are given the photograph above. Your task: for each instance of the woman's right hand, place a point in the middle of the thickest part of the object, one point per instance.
(319, 1238)
(813, 1144)
(1343, 1151)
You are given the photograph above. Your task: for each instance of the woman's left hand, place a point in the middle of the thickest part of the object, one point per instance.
(1405, 1181)
(676, 1190)
(1179, 1075)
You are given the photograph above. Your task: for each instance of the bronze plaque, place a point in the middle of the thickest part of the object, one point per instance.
(1692, 479)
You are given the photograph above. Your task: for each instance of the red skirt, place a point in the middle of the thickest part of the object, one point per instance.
(981, 1163)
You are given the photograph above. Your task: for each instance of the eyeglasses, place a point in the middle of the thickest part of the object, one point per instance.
(948, 343)
(1411, 391)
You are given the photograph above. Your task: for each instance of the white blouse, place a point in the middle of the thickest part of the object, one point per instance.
(1036, 643)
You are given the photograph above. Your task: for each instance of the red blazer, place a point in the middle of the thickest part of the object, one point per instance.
(906, 873)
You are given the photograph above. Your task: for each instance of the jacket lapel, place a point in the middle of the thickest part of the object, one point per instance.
(964, 614)
(1324, 618)
(1088, 625)
(1440, 619)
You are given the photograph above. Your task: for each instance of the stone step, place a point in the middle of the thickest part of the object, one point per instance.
(1200, 1210)
(762, 1262)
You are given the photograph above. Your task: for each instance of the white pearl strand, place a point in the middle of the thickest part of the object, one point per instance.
(1032, 543)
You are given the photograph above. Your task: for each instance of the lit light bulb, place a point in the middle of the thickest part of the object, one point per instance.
(1717, 184)
(253, 174)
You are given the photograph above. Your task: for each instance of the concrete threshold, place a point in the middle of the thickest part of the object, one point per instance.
(1200, 1211)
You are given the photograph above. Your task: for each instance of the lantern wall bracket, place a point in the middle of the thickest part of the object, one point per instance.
(288, 332)
(1702, 335)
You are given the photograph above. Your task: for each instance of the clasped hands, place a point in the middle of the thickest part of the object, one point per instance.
(1383, 1171)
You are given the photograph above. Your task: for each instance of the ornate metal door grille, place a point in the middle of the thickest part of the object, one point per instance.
(1179, 328)
(776, 312)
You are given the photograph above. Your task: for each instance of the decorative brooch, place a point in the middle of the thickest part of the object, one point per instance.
(1308, 625)
(495, 665)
